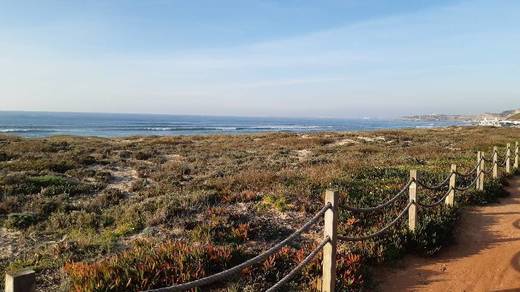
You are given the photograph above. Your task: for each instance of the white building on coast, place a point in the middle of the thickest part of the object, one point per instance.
(499, 123)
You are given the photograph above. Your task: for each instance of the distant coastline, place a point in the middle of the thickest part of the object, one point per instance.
(505, 115)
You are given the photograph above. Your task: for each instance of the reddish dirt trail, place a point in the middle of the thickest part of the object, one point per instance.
(485, 256)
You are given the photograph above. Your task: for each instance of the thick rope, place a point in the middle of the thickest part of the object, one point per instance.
(440, 201)
(259, 258)
(379, 232)
(462, 189)
(381, 206)
(299, 267)
(486, 160)
(437, 186)
(489, 171)
(469, 173)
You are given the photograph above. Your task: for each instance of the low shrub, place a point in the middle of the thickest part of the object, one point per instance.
(20, 220)
(125, 154)
(44, 206)
(143, 155)
(48, 180)
(273, 202)
(493, 190)
(103, 176)
(389, 247)
(497, 187)
(8, 204)
(435, 230)
(107, 198)
(48, 185)
(351, 272)
(61, 165)
(241, 232)
(86, 160)
(4, 156)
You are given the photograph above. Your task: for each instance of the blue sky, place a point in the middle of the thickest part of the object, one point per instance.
(351, 58)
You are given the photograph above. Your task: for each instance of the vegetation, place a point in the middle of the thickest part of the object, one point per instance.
(515, 117)
(94, 214)
(146, 265)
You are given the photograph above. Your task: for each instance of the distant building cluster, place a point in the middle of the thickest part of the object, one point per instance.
(498, 123)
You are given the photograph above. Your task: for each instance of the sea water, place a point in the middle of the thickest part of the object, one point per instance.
(41, 124)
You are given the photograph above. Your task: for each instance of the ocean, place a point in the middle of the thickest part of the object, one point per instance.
(42, 124)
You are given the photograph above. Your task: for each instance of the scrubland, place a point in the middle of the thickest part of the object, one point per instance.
(123, 214)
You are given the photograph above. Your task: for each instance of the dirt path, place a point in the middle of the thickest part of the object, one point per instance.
(485, 257)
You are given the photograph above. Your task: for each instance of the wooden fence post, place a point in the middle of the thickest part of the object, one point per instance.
(495, 162)
(20, 281)
(516, 155)
(453, 181)
(479, 168)
(508, 158)
(412, 191)
(482, 169)
(329, 250)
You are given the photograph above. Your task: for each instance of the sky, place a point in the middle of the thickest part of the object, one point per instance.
(291, 58)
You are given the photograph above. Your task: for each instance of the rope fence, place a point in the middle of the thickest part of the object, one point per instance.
(437, 186)
(469, 173)
(382, 205)
(463, 189)
(438, 202)
(259, 258)
(381, 231)
(300, 266)
(329, 212)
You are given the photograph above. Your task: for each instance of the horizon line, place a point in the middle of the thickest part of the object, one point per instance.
(215, 115)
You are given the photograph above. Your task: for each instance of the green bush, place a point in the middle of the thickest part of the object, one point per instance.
(493, 190)
(8, 204)
(4, 156)
(273, 202)
(143, 155)
(107, 198)
(20, 220)
(61, 165)
(125, 154)
(497, 187)
(48, 180)
(48, 185)
(435, 230)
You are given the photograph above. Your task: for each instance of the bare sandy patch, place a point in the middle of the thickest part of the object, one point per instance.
(173, 157)
(372, 139)
(123, 178)
(345, 141)
(303, 155)
(9, 241)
